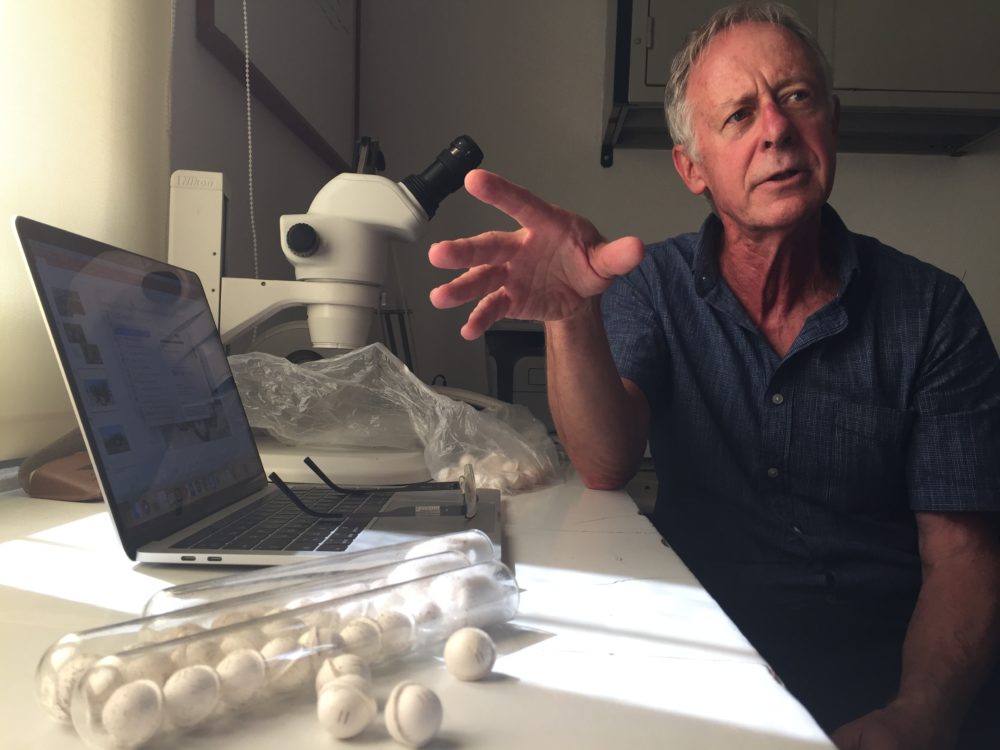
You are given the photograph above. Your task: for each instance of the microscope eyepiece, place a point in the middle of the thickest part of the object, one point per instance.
(445, 175)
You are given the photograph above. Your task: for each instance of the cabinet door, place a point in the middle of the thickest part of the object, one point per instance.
(917, 46)
(672, 21)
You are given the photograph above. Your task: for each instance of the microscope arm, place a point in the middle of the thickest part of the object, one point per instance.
(246, 302)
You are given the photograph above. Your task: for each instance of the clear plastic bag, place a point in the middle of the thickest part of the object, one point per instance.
(368, 398)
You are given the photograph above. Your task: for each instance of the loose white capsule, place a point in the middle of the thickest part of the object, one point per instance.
(362, 636)
(133, 713)
(413, 714)
(242, 674)
(344, 709)
(469, 654)
(351, 679)
(191, 694)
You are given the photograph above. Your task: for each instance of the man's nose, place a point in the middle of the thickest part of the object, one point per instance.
(777, 127)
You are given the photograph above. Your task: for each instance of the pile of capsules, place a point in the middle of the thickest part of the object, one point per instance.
(204, 651)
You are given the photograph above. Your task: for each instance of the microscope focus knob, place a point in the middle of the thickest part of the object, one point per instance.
(302, 239)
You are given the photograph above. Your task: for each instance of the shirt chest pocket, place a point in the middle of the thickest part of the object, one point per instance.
(861, 461)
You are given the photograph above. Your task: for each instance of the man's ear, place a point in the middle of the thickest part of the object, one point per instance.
(689, 170)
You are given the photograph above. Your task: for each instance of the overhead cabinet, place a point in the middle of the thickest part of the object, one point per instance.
(913, 76)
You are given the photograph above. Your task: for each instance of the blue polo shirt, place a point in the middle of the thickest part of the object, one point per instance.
(789, 484)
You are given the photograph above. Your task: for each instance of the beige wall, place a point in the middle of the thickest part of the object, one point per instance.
(524, 78)
(83, 144)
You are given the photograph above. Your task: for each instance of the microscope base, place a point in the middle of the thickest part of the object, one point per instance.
(346, 466)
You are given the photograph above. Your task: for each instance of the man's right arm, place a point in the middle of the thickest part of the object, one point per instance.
(554, 269)
(602, 419)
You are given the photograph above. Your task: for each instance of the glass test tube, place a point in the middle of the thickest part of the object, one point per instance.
(67, 659)
(130, 698)
(473, 544)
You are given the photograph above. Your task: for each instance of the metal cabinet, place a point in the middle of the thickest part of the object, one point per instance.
(913, 76)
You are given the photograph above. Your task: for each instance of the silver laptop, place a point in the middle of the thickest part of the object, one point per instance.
(166, 431)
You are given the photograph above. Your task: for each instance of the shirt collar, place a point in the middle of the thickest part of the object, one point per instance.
(705, 267)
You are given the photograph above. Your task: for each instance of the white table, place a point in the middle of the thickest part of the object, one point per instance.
(616, 645)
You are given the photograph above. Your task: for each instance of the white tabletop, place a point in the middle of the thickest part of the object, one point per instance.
(615, 644)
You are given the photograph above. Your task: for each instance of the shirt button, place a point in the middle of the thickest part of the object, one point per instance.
(797, 530)
(773, 472)
(777, 399)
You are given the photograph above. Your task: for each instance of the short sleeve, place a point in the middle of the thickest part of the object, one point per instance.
(954, 458)
(635, 331)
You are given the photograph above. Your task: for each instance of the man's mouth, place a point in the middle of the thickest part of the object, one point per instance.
(785, 175)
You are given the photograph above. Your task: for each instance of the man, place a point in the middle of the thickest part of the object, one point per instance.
(823, 411)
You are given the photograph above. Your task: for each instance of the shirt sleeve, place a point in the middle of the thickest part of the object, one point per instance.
(954, 458)
(635, 331)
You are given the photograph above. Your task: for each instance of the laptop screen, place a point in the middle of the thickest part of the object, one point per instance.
(149, 379)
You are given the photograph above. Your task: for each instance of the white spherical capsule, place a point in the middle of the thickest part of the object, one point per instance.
(99, 683)
(59, 693)
(177, 631)
(242, 639)
(363, 637)
(397, 632)
(350, 679)
(469, 654)
(242, 674)
(340, 665)
(191, 694)
(198, 650)
(322, 641)
(427, 615)
(288, 665)
(290, 627)
(133, 713)
(467, 599)
(475, 547)
(344, 709)
(413, 714)
(357, 607)
(232, 617)
(155, 665)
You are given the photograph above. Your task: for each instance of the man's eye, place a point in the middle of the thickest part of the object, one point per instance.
(800, 95)
(738, 116)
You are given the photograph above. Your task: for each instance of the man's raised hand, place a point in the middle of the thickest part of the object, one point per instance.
(546, 270)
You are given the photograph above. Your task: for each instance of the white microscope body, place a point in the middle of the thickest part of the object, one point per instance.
(339, 248)
(339, 251)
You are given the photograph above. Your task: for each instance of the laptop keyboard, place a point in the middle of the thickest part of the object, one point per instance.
(274, 523)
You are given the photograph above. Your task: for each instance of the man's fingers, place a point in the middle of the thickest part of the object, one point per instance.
(526, 208)
(617, 258)
(488, 248)
(474, 283)
(489, 310)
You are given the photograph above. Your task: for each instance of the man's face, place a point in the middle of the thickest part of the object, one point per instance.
(764, 128)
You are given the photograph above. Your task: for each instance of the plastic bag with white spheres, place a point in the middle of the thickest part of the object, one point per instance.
(368, 398)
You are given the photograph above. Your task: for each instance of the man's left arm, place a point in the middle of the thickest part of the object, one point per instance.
(951, 643)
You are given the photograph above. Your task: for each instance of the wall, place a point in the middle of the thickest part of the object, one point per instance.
(209, 133)
(84, 146)
(525, 79)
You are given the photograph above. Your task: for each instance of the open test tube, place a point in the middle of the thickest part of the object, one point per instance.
(69, 657)
(473, 544)
(156, 690)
